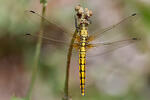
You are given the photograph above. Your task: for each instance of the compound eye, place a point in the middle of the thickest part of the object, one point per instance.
(88, 12)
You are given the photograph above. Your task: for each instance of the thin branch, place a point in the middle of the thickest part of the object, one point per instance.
(66, 89)
(36, 57)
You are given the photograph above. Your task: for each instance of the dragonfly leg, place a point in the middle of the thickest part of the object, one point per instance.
(77, 38)
(76, 46)
(76, 23)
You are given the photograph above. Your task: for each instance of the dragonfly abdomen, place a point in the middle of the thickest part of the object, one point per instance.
(82, 62)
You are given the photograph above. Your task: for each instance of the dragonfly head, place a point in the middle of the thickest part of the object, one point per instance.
(83, 15)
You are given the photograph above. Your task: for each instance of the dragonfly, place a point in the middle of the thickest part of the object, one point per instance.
(83, 40)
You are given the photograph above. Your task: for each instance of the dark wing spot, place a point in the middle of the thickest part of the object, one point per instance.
(32, 11)
(134, 14)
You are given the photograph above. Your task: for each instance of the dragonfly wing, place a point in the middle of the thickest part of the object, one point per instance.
(112, 31)
(53, 33)
(117, 42)
(47, 23)
(108, 47)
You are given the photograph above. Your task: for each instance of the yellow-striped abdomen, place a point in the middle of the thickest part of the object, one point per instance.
(82, 60)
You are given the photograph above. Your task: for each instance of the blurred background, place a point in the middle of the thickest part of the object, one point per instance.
(122, 74)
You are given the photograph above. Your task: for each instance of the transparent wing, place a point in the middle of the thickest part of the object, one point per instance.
(103, 48)
(124, 26)
(54, 34)
(116, 42)
(36, 16)
(114, 37)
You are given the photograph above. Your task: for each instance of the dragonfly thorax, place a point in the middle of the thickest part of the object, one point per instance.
(84, 32)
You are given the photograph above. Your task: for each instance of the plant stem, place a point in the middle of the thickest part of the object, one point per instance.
(66, 89)
(36, 57)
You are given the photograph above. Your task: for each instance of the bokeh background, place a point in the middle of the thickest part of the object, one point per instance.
(123, 74)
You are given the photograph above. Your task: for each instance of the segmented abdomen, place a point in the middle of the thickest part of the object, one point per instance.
(82, 62)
